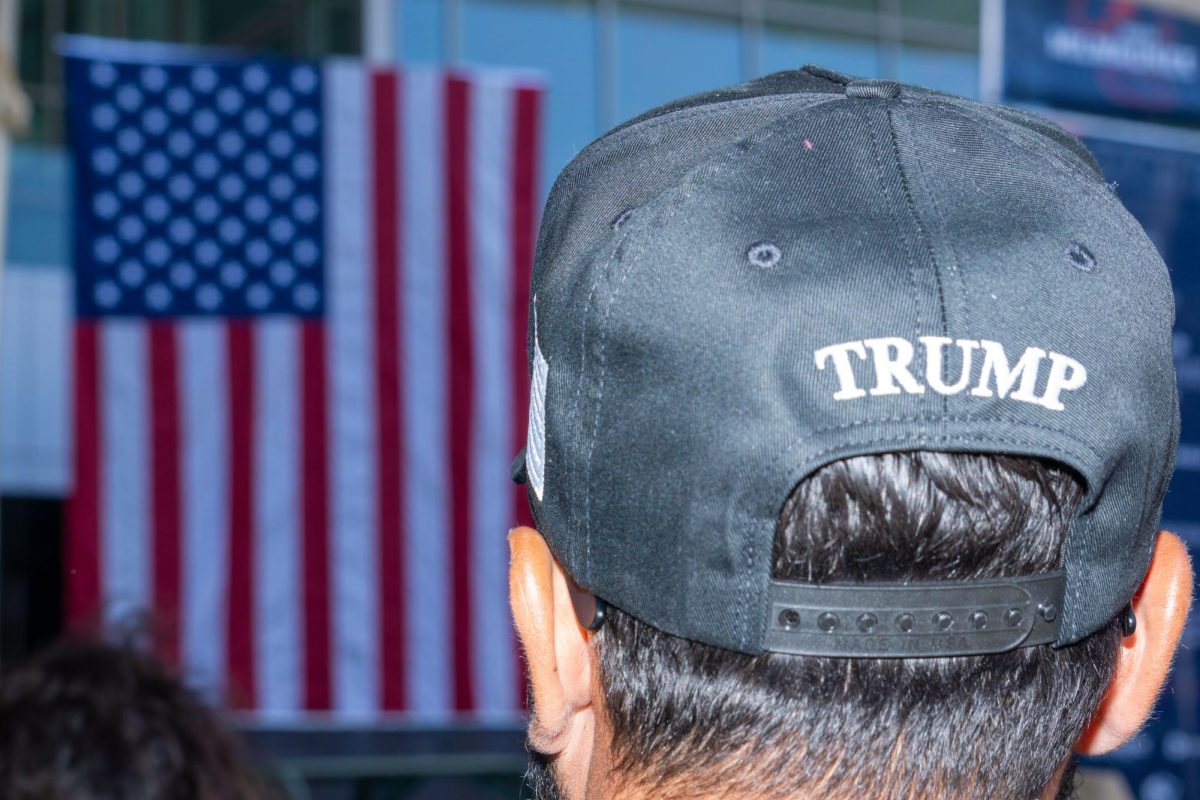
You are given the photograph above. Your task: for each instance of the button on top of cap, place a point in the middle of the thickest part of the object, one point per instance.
(882, 89)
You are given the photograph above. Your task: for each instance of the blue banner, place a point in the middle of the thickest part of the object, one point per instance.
(1160, 184)
(1102, 56)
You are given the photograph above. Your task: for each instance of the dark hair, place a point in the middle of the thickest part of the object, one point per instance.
(687, 717)
(89, 721)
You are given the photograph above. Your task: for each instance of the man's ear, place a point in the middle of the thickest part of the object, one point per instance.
(556, 649)
(1161, 607)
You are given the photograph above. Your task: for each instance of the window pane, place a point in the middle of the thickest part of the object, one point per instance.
(420, 31)
(39, 206)
(665, 56)
(941, 11)
(947, 70)
(783, 49)
(557, 39)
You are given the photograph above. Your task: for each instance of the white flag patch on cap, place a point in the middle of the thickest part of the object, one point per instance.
(535, 445)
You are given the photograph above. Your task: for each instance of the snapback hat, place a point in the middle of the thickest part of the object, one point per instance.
(740, 287)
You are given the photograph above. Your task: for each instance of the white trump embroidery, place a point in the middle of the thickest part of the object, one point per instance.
(985, 368)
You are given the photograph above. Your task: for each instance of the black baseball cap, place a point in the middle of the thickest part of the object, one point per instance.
(737, 288)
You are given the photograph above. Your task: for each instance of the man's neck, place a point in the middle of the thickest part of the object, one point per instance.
(616, 787)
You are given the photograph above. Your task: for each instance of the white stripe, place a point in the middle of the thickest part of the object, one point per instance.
(204, 499)
(423, 307)
(278, 599)
(352, 434)
(125, 530)
(491, 489)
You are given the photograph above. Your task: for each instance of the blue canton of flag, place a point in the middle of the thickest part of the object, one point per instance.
(198, 188)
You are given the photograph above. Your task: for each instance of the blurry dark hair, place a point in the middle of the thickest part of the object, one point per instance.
(89, 721)
(687, 717)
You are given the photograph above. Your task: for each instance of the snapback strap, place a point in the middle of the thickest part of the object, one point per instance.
(914, 620)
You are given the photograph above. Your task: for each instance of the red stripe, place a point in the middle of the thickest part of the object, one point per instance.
(460, 367)
(240, 611)
(83, 554)
(524, 211)
(524, 214)
(315, 504)
(385, 144)
(164, 500)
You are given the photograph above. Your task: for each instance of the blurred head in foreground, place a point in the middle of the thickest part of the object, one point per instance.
(89, 721)
(852, 413)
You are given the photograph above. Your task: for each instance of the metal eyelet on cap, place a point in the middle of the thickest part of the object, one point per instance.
(764, 255)
(1080, 257)
(621, 218)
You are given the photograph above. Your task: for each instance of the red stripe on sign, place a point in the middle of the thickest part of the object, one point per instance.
(165, 500)
(83, 554)
(315, 508)
(460, 392)
(524, 215)
(240, 610)
(385, 145)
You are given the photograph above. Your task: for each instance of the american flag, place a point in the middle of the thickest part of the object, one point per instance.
(300, 374)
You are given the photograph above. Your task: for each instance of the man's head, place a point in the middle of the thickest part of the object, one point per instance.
(88, 721)
(631, 711)
(854, 404)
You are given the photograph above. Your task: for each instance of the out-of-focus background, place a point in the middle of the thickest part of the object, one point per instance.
(262, 310)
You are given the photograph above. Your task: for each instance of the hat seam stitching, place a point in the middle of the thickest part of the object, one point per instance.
(713, 108)
(955, 265)
(900, 229)
(583, 357)
(923, 233)
(575, 166)
(695, 112)
(956, 418)
(691, 175)
(601, 374)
